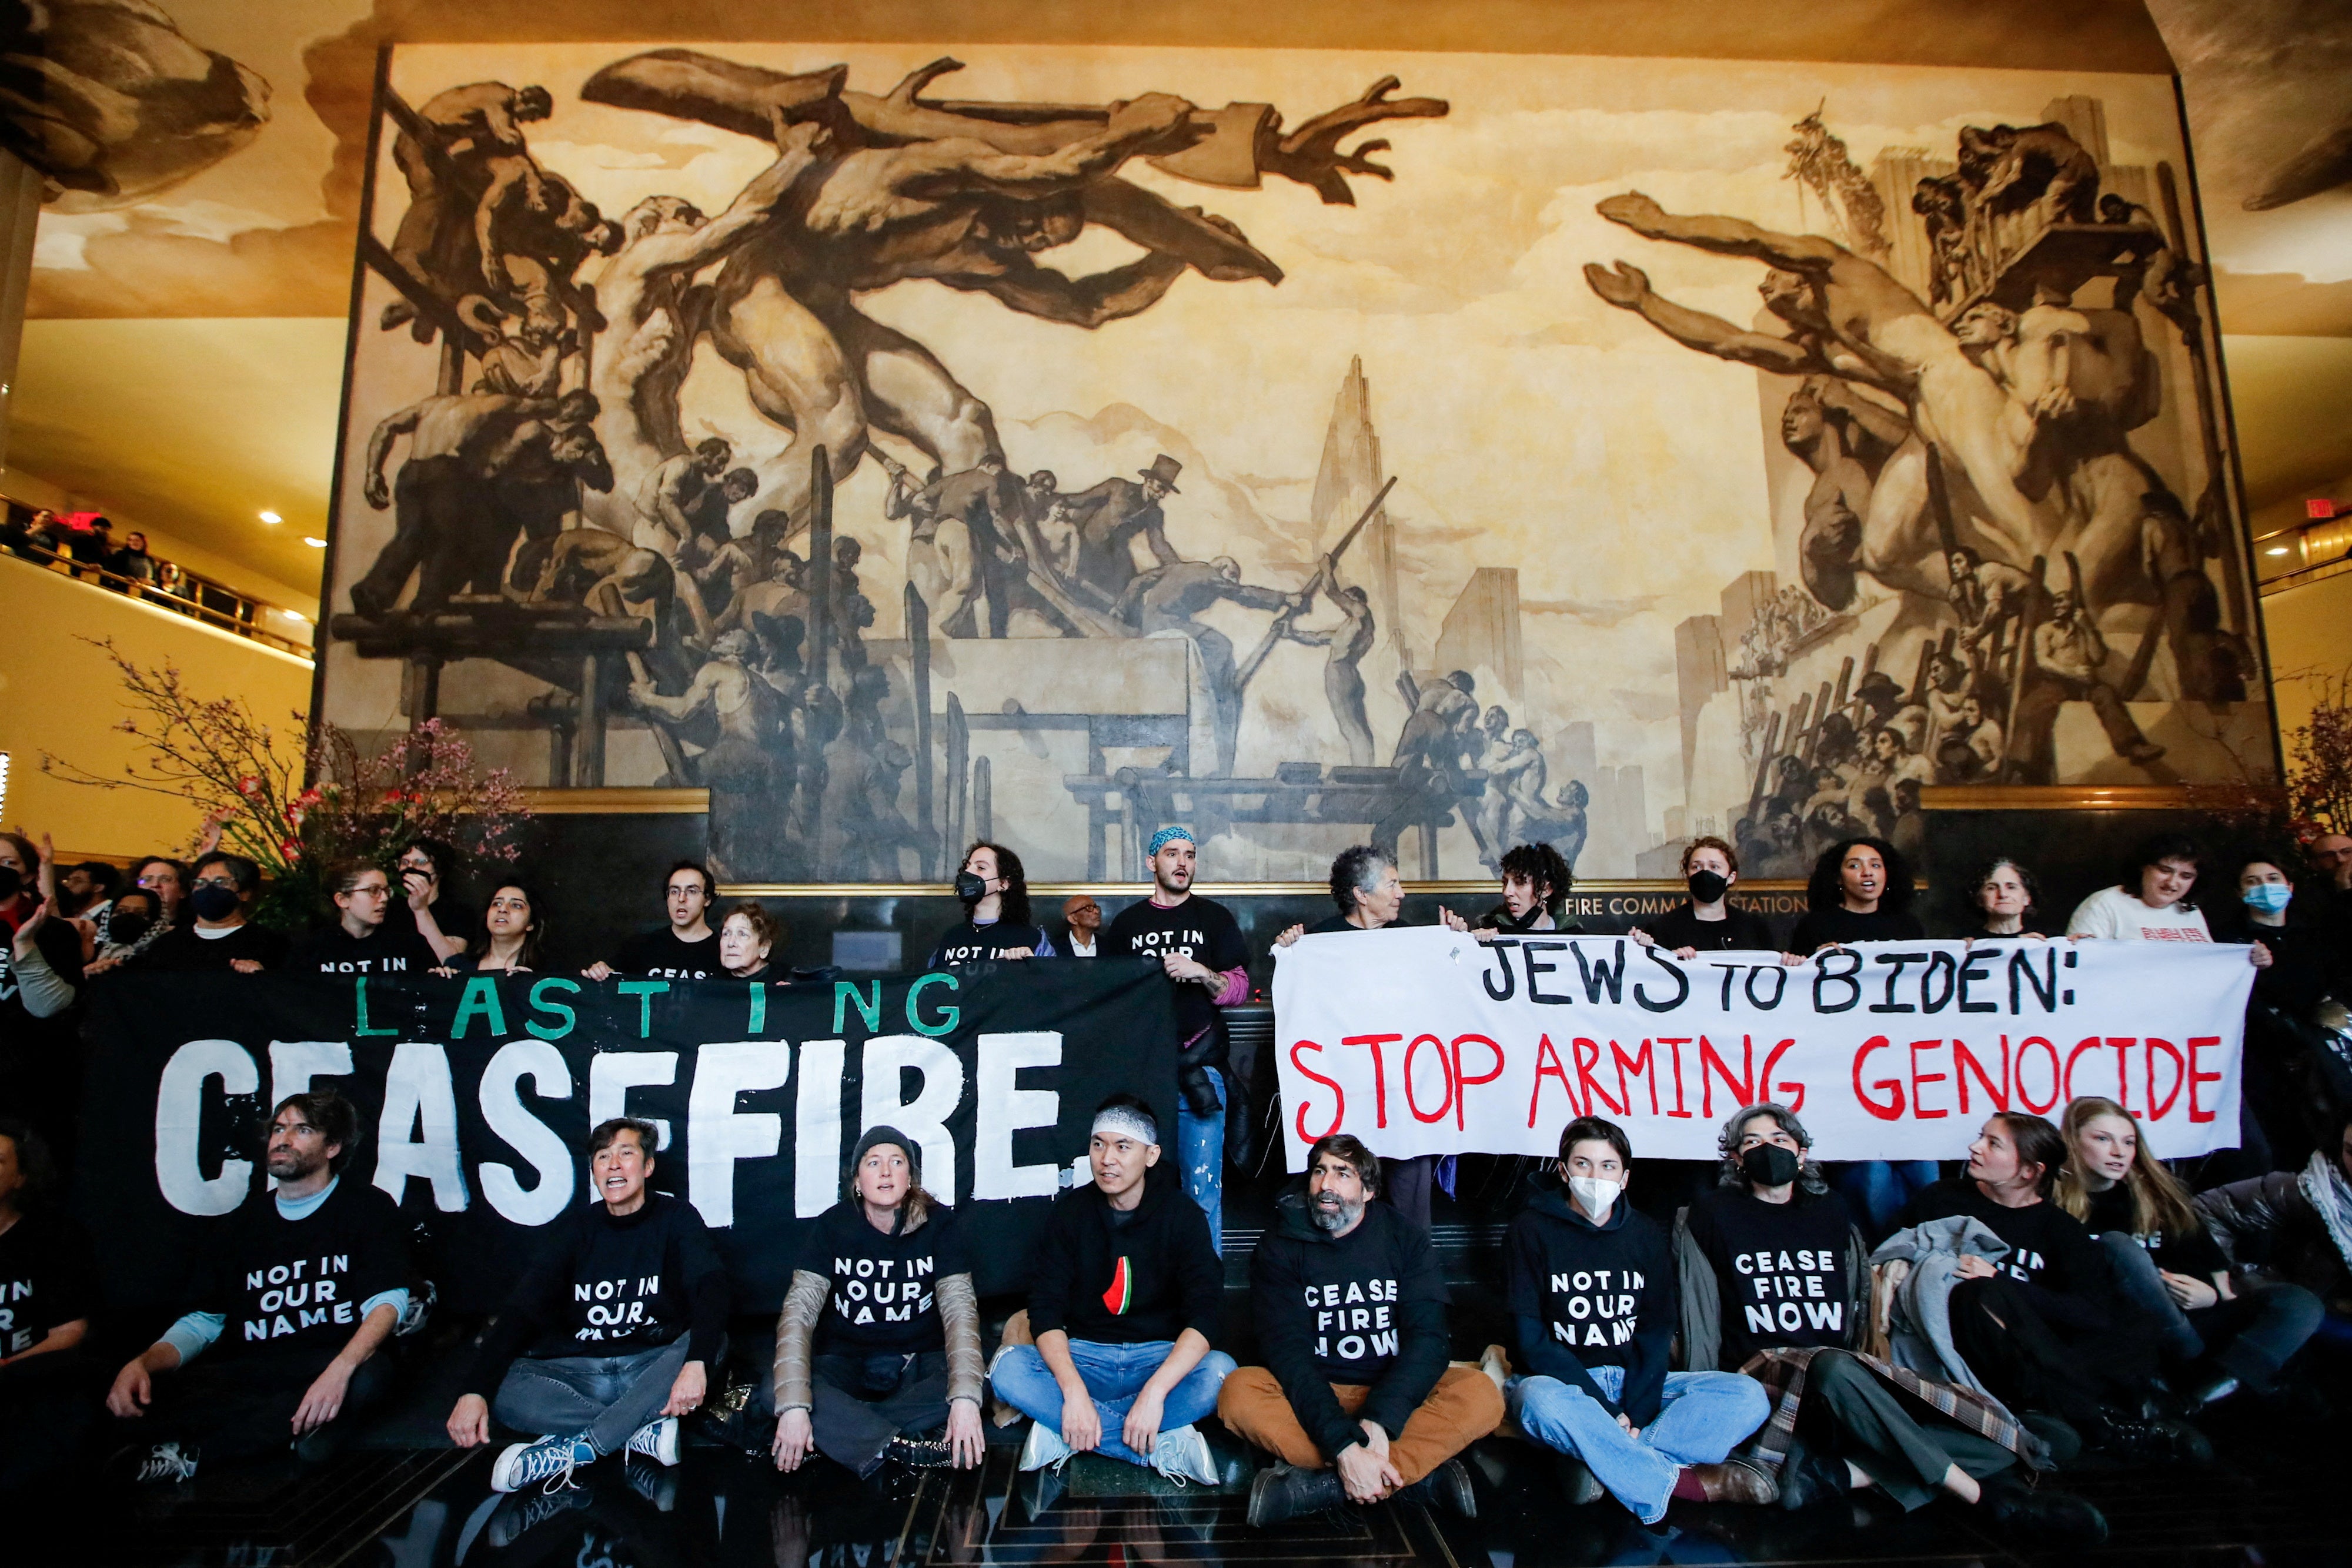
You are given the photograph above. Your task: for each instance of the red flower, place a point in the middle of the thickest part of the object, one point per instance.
(249, 785)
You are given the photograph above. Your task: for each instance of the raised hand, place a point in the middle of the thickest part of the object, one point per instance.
(1623, 285)
(1311, 154)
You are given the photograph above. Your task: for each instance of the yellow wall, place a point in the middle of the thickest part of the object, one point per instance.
(63, 697)
(2306, 628)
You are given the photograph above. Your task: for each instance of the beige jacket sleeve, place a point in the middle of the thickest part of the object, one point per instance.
(795, 1331)
(959, 1316)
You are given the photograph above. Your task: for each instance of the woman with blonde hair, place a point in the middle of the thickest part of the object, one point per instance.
(2232, 1334)
(877, 1347)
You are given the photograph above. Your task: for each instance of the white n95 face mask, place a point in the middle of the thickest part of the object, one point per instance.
(1597, 1194)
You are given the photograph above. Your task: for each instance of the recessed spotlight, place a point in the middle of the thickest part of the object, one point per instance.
(296, 616)
(314, 542)
(2276, 550)
(271, 517)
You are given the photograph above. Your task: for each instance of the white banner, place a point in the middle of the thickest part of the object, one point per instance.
(1423, 1041)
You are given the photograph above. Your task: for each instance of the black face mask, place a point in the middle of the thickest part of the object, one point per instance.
(126, 928)
(12, 882)
(1523, 922)
(212, 902)
(1706, 887)
(1769, 1164)
(970, 888)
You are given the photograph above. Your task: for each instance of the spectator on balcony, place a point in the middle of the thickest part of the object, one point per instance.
(21, 534)
(132, 561)
(172, 581)
(93, 545)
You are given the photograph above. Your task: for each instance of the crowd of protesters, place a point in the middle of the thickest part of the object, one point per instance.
(2064, 1291)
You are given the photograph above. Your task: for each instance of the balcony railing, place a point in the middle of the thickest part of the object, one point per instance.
(201, 599)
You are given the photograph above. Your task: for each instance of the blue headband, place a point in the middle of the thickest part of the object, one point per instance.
(1166, 836)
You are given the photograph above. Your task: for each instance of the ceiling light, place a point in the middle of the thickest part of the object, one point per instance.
(295, 616)
(271, 517)
(2276, 550)
(314, 542)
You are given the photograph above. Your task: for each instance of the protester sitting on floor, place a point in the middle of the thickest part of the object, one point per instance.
(2001, 901)
(361, 941)
(1123, 1296)
(894, 1326)
(2166, 1263)
(222, 935)
(684, 949)
(513, 931)
(746, 937)
(1371, 896)
(2295, 1227)
(1356, 1396)
(1707, 920)
(610, 1333)
(1197, 943)
(1591, 1287)
(441, 923)
(301, 1290)
(45, 1269)
(2045, 1328)
(1536, 883)
(995, 892)
(1776, 1282)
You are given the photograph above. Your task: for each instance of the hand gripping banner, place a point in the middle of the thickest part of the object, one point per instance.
(476, 1096)
(1424, 1041)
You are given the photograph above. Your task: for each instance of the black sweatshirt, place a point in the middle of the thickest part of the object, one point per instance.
(1821, 926)
(1739, 930)
(45, 1279)
(663, 954)
(397, 952)
(1592, 1295)
(296, 1285)
(2194, 1253)
(881, 1298)
(1780, 1268)
(610, 1285)
(2064, 1273)
(965, 943)
(184, 949)
(1148, 1278)
(1365, 1308)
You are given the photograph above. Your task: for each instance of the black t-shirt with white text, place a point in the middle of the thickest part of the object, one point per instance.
(388, 950)
(663, 954)
(297, 1284)
(965, 943)
(882, 1300)
(2049, 1250)
(2194, 1252)
(1780, 1269)
(1202, 929)
(45, 1280)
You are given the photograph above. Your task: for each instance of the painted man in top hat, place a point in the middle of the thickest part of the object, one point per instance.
(1114, 512)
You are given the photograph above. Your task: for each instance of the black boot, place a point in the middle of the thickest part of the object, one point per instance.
(2052, 1518)
(2158, 1440)
(1284, 1491)
(1446, 1487)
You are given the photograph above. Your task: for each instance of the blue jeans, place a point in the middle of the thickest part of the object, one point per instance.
(605, 1396)
(1113, 1375)
(1880, 1188)
(1705, 1415)
(1201, 1144)
(2256, 1335)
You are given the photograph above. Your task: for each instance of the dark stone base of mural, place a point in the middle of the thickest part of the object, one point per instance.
(2071, 855)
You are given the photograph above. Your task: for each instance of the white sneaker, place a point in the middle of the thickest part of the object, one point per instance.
(1183, 1456)
(1045, 1447)
(656, 1440)
(168, 1462)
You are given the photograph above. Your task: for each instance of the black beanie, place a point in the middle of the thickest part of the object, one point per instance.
(885, 1134)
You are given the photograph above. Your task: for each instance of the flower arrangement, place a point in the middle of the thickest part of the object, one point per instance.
(296, 810)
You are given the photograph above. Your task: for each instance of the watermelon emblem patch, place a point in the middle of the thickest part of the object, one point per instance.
(1121, 1294)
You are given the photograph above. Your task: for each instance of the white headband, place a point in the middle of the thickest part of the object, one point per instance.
(1128, 1122)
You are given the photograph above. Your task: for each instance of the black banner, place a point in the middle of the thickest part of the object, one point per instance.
(477, 1095)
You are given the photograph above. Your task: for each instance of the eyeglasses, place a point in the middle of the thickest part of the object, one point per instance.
(216, 881)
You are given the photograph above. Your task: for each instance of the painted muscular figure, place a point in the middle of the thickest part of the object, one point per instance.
(441, 491)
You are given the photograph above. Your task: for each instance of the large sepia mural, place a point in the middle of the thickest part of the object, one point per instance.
(1045, 444)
